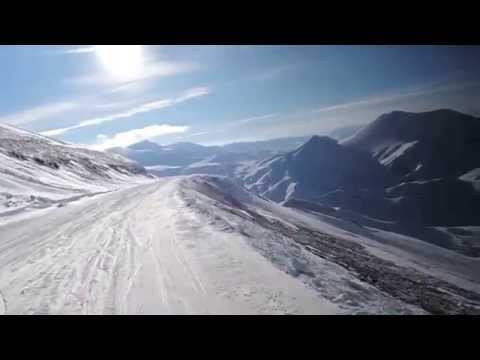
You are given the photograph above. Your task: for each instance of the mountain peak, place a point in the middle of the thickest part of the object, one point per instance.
(425, 145)
(317, 142)
(186, 146)
(145, 145)
(316, 146)
(401, 126)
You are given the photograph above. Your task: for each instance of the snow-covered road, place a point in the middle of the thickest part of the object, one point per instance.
(127, 252)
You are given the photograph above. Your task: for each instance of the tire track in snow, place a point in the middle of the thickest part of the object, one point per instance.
(3, 304)
(197, 284)
(52, 271)
(160, 272)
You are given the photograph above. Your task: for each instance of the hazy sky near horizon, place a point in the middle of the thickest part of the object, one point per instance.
(105, 96)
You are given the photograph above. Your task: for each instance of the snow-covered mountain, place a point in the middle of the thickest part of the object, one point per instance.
(38, 172)
(317, 167)
(415, 174)
(186, 158)
(434, 155)
(344, 132)
(182, 155)
(279, 145)
(422, 146)
(148, 153)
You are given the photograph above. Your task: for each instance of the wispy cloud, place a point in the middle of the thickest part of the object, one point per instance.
(71, 50)
(192, 135)
(150, 68)
(321, 120)
(193, 93)
(428, 89)
(231, 124)
(250, 120)
(200, 133)
(263, 75)
(148, 71)
(38, 113)
(146, 107)
(130, 137)
(273, 72)
(79, 50)
(116, 105)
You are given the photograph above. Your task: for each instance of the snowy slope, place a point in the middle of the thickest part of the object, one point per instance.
(317, 167)
(141, 251)
(434, 156)
(356, 268)
(422, 146)
(204, 245)
(37, 172)
(345, 132)
(410, 173)
(473, 177)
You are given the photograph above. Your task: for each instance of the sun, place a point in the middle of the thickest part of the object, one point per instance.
(122, 62)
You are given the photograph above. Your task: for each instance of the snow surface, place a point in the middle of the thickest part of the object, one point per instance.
(189, 245)
(403, 250)
(132, 251)
(472, 176)
(394, 151)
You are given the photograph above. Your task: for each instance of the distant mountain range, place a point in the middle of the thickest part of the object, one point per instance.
(149, 153)
(188, 158)
(412, 173)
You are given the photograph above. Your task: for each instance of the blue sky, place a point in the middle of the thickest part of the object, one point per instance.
(103, 96)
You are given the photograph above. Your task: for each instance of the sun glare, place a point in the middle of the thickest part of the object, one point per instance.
(122, 62)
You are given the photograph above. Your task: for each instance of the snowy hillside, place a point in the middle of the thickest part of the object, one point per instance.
(203, 245)
(354, 268)
(422, 146)
(434, 156)
(38, 172)
(188, 157)
(345, 132)
(412, 174)
(315, 168)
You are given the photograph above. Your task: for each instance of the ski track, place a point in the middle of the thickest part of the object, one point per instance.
(122, 253)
